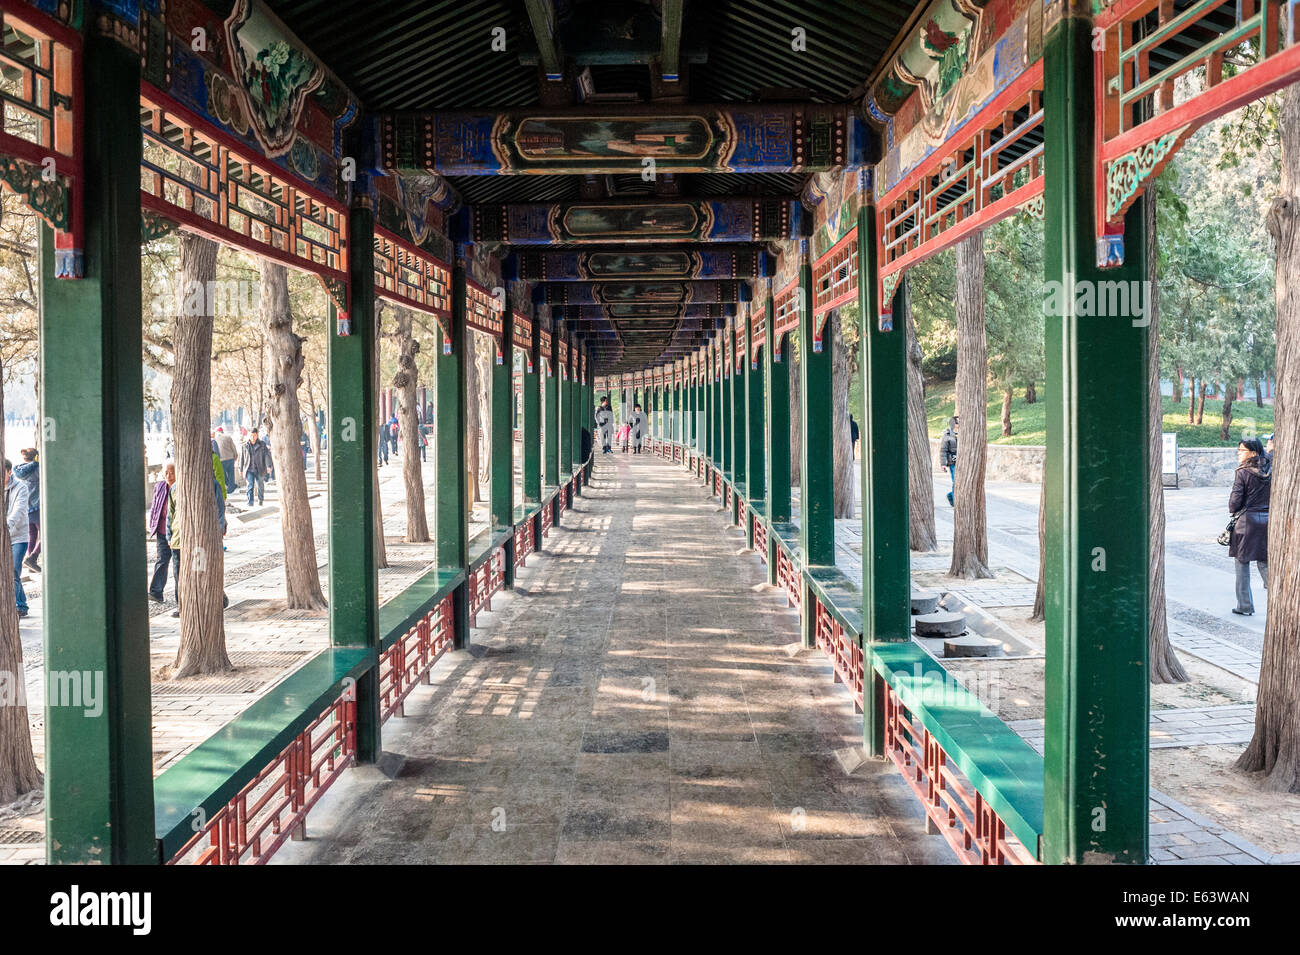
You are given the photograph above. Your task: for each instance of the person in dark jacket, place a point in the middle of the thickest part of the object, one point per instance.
(255, 464)
(948, 453)
(1249, 501)
(605, 423)
(158, 511)
(30, 472)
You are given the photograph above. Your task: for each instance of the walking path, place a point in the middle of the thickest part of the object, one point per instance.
(640, 697)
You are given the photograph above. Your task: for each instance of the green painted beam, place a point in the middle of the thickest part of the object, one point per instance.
(1096, 757)
(452, 490)
(670, 51)
(886, 555)
(541, 14)
(99, 793)
(353, 437)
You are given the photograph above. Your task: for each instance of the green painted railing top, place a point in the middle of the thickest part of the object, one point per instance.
(1002, 766)
(406, 609)
(840, 594)
(209, 776)
(484, 543)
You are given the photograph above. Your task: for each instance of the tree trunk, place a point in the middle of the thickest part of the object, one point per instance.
(404, 382)
(1164, 664)
(1178, 386)
(1274, 750)
(841, 377)
(970, 541)
(1031, 393)
(472, 421)
(381, 550)
(201, 585)
(1259, 393)
(796, 417)
(284, 353)
(920, 471)
(1040, 592)
(1200, 410)
(1191, 402)
(1007, 395)
(1225, 427)
(18, 772)
(314, 430)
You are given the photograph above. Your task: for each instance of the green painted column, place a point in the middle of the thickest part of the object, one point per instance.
(353, 437)
(817, 455)
(1096, 758)
(776, 431)
(715, 412)
(817, 501)
(452, 491)
(551, 410)
(533, 377)
(501, 491)
(726, 423)
(739, 429)
(98, 765)
(567, 450)
(756, 467)
(886, 557)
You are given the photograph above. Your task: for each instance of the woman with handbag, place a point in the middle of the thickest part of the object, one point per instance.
(1248, 504)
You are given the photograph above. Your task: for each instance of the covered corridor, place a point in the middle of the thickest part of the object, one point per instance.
(640, 698)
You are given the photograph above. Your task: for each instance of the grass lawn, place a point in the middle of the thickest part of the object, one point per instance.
(1029, 424)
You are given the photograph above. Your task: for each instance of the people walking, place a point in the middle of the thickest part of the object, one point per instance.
(16, 517)
(1248, 502)
(392, 434)
(383, 444)
(162, 495)
(636, 422)
(948, 454)
(30, 472)
(254, 464)
(605, 422)
(624, 435)
(228, 451)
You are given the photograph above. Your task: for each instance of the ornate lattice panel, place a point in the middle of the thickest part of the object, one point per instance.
(41, 126)
(835, 282)
(522, 327)
(985, 173)
(785, 310)
(406, 275)
(1143, 47)
(196, 178)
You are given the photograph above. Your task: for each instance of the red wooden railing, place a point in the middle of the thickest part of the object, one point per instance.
(954, 807)
(410, 658)
(273, 806)
(843, 650)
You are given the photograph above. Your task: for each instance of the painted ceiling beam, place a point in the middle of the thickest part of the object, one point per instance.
(631, 311)
(632, 138)
(604, 221)
(621, 262)
(541, 13)
(642, 292)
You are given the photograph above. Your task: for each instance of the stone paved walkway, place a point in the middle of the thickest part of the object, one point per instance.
(641, 697)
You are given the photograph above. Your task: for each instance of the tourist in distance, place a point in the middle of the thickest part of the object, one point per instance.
(158, 511)
(16, 517)
(636, 424)
(254, 464)
(605, 422)
(1248, 502)
(948, 453)
(30, 471)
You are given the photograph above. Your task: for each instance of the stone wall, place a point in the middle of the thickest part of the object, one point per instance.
(1197, 467)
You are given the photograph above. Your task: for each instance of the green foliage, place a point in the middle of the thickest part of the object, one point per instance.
(1031, 419)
